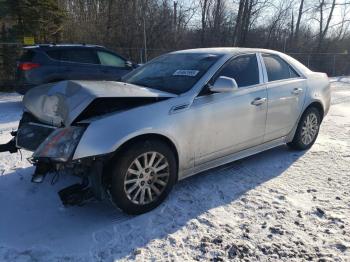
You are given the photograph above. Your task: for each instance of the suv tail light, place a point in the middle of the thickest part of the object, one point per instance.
(25, 66)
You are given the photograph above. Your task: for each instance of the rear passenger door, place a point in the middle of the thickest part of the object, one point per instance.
(112, 67)
(286, 93)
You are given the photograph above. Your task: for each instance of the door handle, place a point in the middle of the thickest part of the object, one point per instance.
(258, 101)
(297, 91)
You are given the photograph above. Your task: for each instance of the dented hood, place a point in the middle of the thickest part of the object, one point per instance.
(61, 103)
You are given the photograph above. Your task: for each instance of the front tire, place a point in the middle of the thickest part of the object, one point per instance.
(307, 130)
(143, 176)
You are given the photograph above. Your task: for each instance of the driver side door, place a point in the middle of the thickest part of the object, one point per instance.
(229, 122)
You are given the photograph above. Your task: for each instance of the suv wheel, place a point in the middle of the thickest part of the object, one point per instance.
(143, 176)
(307, 130)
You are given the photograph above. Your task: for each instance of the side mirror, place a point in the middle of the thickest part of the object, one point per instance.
(129, 64)
(224, 84)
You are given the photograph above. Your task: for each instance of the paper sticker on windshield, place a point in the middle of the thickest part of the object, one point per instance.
(186, 73)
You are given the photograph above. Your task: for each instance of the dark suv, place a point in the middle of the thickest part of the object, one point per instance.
(42, 64)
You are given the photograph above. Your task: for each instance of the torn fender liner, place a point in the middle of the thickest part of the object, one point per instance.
(61, 103)
(9, 146)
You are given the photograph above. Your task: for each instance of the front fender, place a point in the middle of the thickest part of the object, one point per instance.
(107, 134)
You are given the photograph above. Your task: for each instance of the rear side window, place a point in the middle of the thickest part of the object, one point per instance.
(244, 69)
(109, 59)
(54, 54)
(278, 69)
(75, 55)
(27, 56)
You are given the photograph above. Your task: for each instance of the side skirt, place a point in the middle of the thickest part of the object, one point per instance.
(233, 157)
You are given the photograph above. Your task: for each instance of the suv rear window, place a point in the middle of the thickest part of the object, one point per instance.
(27, 56)
(84, 56)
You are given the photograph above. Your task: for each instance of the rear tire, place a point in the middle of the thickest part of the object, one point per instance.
(307, 130)
(142, 176)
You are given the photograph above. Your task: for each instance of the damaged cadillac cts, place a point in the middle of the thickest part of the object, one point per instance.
(178, 115)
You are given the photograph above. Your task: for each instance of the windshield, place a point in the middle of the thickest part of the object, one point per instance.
(174, 73)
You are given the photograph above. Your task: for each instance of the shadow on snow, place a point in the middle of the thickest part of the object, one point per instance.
(33, 219)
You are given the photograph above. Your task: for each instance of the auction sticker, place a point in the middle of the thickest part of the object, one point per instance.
(185, 73)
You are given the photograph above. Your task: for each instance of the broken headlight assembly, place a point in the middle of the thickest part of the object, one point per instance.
(60, 145)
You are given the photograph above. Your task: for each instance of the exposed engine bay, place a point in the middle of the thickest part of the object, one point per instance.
(54, 119)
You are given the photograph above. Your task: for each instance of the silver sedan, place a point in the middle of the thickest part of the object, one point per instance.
(178, 115)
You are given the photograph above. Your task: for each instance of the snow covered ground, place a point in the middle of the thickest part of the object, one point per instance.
(277, 205)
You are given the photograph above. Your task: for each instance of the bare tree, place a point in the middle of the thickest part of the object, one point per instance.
(205, 6)
(297, 26)
(248, 11)
(324, 20)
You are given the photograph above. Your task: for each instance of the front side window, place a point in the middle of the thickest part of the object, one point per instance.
(109, 59)
(174, 73)
(244, 69)
(278, 69)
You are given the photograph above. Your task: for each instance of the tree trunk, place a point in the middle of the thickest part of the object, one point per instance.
(323, 32)
(204, 20)
(237, 30)
(297, 26)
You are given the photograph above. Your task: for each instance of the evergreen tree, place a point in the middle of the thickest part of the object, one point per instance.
(39, 18)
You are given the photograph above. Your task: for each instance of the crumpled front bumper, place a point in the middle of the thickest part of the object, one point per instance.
(31, 133)
(43, 139)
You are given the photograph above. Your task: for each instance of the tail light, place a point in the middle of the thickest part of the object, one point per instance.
(25, 66)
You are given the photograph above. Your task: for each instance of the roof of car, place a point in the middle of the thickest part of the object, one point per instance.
(226, 50)
(49, 46)
(236, 50)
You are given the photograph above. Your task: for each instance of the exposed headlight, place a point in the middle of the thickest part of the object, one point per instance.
(60, 145)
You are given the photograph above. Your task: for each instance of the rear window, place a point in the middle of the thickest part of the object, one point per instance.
(84, 56)
(54, 54)
(27, 56)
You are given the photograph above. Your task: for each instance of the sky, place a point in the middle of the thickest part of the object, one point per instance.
(232, 6)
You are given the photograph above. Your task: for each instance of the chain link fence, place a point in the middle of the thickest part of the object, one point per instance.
(334, 64)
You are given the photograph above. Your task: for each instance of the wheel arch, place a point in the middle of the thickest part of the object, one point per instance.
(318, 105)
(149, 136)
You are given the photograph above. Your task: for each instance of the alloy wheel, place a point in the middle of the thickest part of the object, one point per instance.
(309, 129)
(146, 178)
